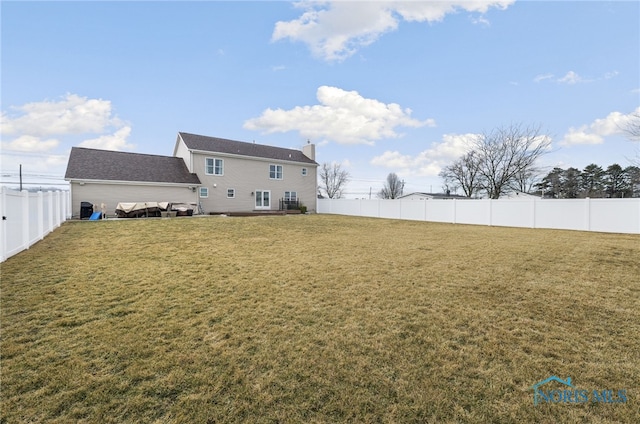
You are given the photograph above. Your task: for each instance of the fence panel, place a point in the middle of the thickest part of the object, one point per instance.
(32, 216)
(512, 213)
(13, 240)
(474, 212)
(413, 210)
(619, 216)
(369, 208)
(562, 214)
(390, 209)
(603, 215)
(28, 217)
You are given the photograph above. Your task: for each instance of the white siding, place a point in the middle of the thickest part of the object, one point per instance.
(113, 193)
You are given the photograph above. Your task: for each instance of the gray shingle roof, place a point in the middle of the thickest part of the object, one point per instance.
(221, 145)
(94, 164)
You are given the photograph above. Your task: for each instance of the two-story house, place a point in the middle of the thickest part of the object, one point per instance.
(237, 176)
(218, 174)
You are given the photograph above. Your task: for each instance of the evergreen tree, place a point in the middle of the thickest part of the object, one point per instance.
(592, 181)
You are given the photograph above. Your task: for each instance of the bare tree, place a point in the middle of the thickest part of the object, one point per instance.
(632, 131)
(392, 188)
(333, 180)
(506, 153)
(464, 173)
(632, 127)
(525, 180)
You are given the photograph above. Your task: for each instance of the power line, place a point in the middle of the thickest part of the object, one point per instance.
(46, 177)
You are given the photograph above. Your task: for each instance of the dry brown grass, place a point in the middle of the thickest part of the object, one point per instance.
(316, 319)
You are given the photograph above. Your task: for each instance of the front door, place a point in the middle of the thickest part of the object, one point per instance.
(263, 199)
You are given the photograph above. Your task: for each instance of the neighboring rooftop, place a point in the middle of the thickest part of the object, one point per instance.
(95, 164)
(221, 145)
(433, 195)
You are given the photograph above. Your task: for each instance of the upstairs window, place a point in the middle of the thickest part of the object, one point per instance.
(304, 172)
(275, 172)
(214, 166)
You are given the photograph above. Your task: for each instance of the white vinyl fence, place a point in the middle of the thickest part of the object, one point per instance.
(28, 217)
(603, 215)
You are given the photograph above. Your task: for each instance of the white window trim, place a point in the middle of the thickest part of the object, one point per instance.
(262, 199)
(290, 199)
(305, 172)
(234, 193)
(276, 171)
(214, 159)
(206, 190)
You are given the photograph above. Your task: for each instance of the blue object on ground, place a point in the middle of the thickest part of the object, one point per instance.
(95, 216)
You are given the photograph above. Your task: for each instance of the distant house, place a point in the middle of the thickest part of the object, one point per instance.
(218, 174)
(237, 176)
(518, 195)
(430, 196)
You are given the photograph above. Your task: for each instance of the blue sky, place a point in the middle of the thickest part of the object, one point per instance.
(380, 87)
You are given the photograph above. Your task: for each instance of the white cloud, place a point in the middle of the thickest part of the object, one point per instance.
(71, 115)
(29, 143)
(38, 135)
(116, 141)
(342, 116)
(335, 30)
(543, 77)
(594, 133)
(572, 77)
(428, 162)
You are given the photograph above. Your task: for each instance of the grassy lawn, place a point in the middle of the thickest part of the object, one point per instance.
(317, 319)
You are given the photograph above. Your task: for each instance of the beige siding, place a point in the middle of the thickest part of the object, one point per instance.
(112, 194)
(181, 151)
(246, 175)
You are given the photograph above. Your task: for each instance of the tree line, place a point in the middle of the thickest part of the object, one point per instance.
(504, 160)
(592, 181)
(498, 162)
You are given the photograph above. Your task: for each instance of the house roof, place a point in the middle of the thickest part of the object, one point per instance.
(221, 145)
(433, 195)
(94, 164)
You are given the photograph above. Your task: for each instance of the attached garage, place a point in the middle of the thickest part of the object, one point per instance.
(104, 177)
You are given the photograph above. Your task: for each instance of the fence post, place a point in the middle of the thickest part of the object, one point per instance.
(24, 243)
(40, 215)
(65, 206)
(533, 212)
(454, 212)
(3, 224)
(425, 209)
(57, 203)
(50, 212)
(587, 204)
